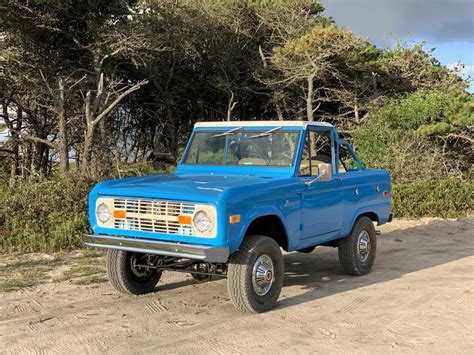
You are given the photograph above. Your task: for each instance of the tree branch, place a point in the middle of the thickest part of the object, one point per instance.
(109, 109)
(35, 139)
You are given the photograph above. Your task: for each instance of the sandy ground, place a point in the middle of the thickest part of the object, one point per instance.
(418, 298)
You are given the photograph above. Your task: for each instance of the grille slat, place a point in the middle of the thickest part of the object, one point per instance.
(154, 216)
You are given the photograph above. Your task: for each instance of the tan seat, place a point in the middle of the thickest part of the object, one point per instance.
(304, 167)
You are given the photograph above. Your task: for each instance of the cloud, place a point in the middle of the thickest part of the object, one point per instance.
(381, 20)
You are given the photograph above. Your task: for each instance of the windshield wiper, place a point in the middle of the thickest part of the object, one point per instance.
(266, 133)
(226, 133)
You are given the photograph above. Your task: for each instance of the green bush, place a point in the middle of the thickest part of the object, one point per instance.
(448, 198)
(44, 214)
(430, 130)
(50, 214)
(408, 158)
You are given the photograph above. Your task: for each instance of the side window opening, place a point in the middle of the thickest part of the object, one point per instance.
(317, 150)
(347, 161)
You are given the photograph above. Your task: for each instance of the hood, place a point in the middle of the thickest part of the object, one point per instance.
(197, 188)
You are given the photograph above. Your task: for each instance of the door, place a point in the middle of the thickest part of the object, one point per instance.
(322, 200)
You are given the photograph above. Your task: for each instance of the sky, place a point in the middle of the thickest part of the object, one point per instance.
(447, 25)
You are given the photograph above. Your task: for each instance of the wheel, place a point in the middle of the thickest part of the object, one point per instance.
(255, 274)
(357, 251)
(125, 274)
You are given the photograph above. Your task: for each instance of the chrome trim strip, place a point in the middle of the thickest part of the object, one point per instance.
(190, 251)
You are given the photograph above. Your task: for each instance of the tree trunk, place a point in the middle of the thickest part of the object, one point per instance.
(14, 140)
(309, 99)
(14, 170)
(277, 107)
(86, 154)
(87, 151)
(356, 112)
(63, 146)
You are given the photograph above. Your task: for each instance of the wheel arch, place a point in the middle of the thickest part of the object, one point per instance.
(372, 215)
(270, 225)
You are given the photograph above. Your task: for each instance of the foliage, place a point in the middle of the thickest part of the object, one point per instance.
(44, 214)
(405, 156)
(432, 113)
(447, 198)
(421, 135)
(409, 68)
(50, 214)
(77, 96)
(337, 62)
(112, 89)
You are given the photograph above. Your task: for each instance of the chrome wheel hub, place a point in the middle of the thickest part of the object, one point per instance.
(263, 275)
(363, 245)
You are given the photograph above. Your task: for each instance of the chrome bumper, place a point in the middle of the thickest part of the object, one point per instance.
(147, 246)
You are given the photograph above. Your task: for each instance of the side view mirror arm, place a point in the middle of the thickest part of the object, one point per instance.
(311, 182)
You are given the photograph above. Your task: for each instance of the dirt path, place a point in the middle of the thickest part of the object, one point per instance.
(418, 298)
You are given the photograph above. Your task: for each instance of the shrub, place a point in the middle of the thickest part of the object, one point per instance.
(44, 214)
(425, 127)
(407, 158)
(448, 198)
(50, 214)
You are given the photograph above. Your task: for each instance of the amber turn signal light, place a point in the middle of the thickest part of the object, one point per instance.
(234, 218)
(184, 219)
(119, 214)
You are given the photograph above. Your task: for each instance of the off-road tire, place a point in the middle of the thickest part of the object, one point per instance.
(121, 276)
(348, 249)
(239, 276)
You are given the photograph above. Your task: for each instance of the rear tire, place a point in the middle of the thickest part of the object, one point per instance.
(255, 274)
(357, 251)
(128, 278)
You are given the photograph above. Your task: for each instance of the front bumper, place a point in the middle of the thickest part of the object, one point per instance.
(147, 246)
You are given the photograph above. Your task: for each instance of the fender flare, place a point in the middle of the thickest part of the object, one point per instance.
(359, 212)
(263, 211)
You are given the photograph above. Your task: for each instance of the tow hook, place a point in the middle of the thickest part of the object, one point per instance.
(377, 232)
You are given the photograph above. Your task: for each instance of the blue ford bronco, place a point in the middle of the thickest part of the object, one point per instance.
(242, 191)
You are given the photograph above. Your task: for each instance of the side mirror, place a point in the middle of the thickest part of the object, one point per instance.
(324, 174)
(325, 170)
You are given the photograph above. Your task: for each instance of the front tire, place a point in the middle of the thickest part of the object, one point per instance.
(255, 274)
(126, 276)
(357, 251)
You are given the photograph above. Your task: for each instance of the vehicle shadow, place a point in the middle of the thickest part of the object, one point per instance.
(399, 252)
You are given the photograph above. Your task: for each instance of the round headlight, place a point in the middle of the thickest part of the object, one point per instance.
(103, 213)
(202, 221)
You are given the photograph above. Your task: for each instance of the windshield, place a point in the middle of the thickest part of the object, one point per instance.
(233, 147)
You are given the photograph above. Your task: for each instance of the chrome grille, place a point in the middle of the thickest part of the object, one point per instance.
(153, 216)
